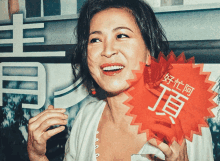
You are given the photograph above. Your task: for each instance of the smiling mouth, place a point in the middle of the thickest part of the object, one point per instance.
(111, 69)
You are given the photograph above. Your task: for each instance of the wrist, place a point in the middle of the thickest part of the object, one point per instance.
(38, 158)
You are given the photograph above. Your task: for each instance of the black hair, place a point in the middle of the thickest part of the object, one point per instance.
(146, 20)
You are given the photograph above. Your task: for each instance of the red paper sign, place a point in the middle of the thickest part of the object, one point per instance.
(172, 98)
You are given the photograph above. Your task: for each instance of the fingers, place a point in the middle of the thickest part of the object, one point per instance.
(180, 150)
(40, 123)
(46, 120)
(49, 110)
(153, 157)
(161, 129)
(165, 130)
(50, 107)
(179, 131)
(183, 151)
(50, 133)
(38, 132)
(175, 151)
(162, 146)
(48, 123)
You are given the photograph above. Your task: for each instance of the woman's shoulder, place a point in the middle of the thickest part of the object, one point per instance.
(84, 127)
(89, 108)
(90, 105)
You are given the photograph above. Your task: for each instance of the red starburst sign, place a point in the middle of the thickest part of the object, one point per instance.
(171, 99)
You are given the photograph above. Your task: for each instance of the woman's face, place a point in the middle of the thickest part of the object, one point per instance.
(115, 48)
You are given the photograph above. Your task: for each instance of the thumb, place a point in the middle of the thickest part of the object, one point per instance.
(50, 107)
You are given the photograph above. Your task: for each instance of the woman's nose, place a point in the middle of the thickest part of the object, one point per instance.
(109, 49)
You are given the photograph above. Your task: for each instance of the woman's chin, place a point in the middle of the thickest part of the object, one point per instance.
(115, 91)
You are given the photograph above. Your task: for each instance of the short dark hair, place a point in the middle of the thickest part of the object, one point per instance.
(146, 20)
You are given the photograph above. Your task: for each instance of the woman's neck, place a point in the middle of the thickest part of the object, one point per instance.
(116, 109)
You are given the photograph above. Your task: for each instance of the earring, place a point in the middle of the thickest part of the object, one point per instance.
(93, 91)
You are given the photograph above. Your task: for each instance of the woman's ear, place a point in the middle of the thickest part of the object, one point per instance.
(148, 61)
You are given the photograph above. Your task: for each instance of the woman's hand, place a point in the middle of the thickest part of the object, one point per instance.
(38, 134)
(175, 152)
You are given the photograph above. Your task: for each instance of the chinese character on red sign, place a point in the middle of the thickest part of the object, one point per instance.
(168, 78)
(188, 89)
(170, 105)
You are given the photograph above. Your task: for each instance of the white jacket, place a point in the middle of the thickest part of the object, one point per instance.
(81, 144)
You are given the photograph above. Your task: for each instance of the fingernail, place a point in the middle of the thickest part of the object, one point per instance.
(62, 128)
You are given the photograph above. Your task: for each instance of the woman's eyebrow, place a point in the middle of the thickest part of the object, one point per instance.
(95, 32)
(118, 28)
(115, 29)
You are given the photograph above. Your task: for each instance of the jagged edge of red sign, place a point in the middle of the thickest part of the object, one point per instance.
(171, 58)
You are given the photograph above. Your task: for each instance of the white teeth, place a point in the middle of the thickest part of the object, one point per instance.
(112, 68)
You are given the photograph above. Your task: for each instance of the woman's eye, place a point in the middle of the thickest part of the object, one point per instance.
(121, 36)
(94, 40)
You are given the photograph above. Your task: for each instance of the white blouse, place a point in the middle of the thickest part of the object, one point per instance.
(81, 144)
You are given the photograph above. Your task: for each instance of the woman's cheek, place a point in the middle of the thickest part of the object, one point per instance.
(93, 66)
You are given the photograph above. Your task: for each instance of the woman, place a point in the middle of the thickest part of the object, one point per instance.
(114, 36)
